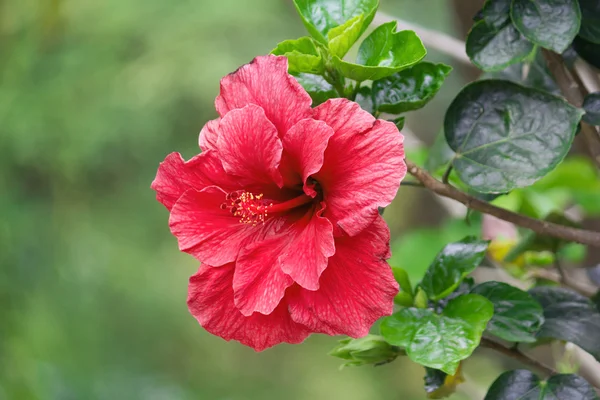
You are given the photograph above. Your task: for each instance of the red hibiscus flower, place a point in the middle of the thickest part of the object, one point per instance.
(281, 209)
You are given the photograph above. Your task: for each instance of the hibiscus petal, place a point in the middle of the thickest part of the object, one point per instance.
(175, 176)
(207, 140)
(363, 167)
(311, 244)
(266, 83)
(303, 152)
(210, 300)
(249, 146)
(209, 233)
(357, 288)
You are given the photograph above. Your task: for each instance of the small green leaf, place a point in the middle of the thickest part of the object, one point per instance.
(321, 16)
(591, 105)
(552, 24)
(403, 280)
(452, 265)
(590, 20)
(522, 384)
(383, 53)
(507, 136)
(569, 316)
(302, 55)
(409, 89)
(371, 349)
(494, 48)
(318, 88)
(439, 385)
(440, 341)
(517, 315)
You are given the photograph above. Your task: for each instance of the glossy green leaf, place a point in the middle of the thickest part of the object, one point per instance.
(403, 280)
(409, 89)
(496, 12)
(317, 87)
(494, 48)
(590, 20)
(587, 50)
(341, 38)
(517, 315)
(507, 136)
(552, 24)
(522, 384)
(440, 341)
(591, 105)
(371, 349)
(383, 53)
(569, 316)
(320, 17)
(452, 265)
(302, 55)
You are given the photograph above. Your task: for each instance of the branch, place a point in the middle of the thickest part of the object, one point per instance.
(574, 93)
(567, 233)
(517, 355)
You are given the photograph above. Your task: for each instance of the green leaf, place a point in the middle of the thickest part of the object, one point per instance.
(496, 12)
(371, 349)
(494, 48)
(320, 17)
(587, 50)
(452, 265)
(552, 24)
(522, 384)
(365, 99)
(409, 89)
(403, 280)
(517, 315)
(507, 136)
(569, 316)
(591, 105)
(341, 38)
(590, 20)
(317, 87)
(399, 122)
(302, 55)
(383, 53)
(440, 341)
(439, 385)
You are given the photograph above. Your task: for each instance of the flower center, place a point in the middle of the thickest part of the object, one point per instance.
(254, 209)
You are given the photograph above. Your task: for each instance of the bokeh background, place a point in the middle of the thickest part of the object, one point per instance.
(93, 95)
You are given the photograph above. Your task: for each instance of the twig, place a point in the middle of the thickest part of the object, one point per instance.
(574, 95)
(446, 176)
(542, 227)
(559, 268)
(412, 184)
(517, 355)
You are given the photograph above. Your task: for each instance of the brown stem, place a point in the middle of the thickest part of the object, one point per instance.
(542, 227)
(517, 355)
(574, 92)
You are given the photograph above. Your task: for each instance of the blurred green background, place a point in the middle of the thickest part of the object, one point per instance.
(93, 95)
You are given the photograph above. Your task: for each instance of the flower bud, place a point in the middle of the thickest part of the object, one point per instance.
(371, 349)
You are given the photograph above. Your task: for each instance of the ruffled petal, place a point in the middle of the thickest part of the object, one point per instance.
(357, 288)
(175, 176)
(363, 167)
(249, 146)
(207, 140)
(303, 152)
(210, 300)
(209, 233)
(266, 83)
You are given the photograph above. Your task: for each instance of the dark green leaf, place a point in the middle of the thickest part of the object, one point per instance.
(552, 24)
(383, 53)
(321, 16)
(591, 105)
(399, 122)
(365, 99)
(494, 48)
(439, 385)
(590, 20)
(569, 316)
(452, 265)
(532, 73)
(302, 55)
(371, 349)
(409, 89)
(517, 315)
(507, 136)
(522, 384)
(440, 341)
(496, 12)
(587, 50)
(317, 87)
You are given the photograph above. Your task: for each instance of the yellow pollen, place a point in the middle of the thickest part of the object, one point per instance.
(251, 208)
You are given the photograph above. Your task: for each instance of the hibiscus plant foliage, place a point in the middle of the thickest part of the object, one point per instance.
(283, 204)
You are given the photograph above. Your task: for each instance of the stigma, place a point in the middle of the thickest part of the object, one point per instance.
(251, 208)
